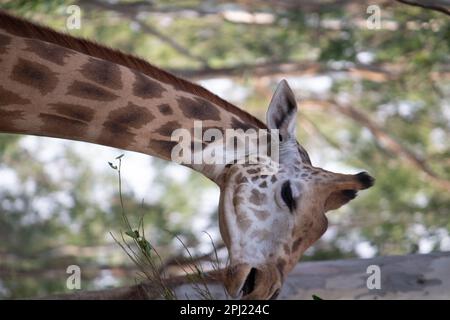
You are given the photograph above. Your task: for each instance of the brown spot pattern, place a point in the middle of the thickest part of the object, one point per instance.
(90, 91)
(165, 109)
(237, 124)
(102, 72)
(197, 146)
(162, 147)
(4, 42)
(243, 223)
(117, 126)
(240, 178)
(261, 214)
(7, 119)
(215, 128)
(257, 197)
(146, 88)
(115, 137)
(237, 200)
(198, 109)
(48, 51)
(8, 98)
(297, 244)
(73, 111)
(130, 116)
(168, 128)
(281, 264)
(35, 75)
(55, 124)
(261, 235)
(253, 171)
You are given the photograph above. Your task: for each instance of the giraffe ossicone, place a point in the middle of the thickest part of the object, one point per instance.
(56, 85)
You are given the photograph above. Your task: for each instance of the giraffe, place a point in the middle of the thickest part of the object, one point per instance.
(56, 85)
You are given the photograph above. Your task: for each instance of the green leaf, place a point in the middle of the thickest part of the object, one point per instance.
(132, 233)
(316, 297)
(145, 246)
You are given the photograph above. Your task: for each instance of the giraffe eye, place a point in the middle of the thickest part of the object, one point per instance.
(286, 195)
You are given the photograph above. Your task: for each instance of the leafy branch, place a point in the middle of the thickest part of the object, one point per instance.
(150, 263)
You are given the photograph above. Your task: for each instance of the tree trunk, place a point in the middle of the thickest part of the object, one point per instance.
(401, 277)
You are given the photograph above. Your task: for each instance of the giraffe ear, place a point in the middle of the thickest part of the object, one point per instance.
(282, 111)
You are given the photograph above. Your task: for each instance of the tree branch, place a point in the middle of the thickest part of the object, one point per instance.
(170, 41)
(372, 73)
(251, 5)
(142, 291)
(442, 6)
(311, 5)
(137, 7)
(417, 276)
(131, 11)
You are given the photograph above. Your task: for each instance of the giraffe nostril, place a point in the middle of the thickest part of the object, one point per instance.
(250, 282)
(275, 294)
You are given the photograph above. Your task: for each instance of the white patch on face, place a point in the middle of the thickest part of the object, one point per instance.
(263, 237)
(256, 240)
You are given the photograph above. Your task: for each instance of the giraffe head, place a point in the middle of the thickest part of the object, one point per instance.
(266, 220)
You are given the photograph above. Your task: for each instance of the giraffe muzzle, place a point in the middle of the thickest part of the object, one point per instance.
(250, 283)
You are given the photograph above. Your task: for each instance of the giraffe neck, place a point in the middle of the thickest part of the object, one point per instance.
(49, 89)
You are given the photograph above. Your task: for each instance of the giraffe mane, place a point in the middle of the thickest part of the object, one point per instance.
(26, 29)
